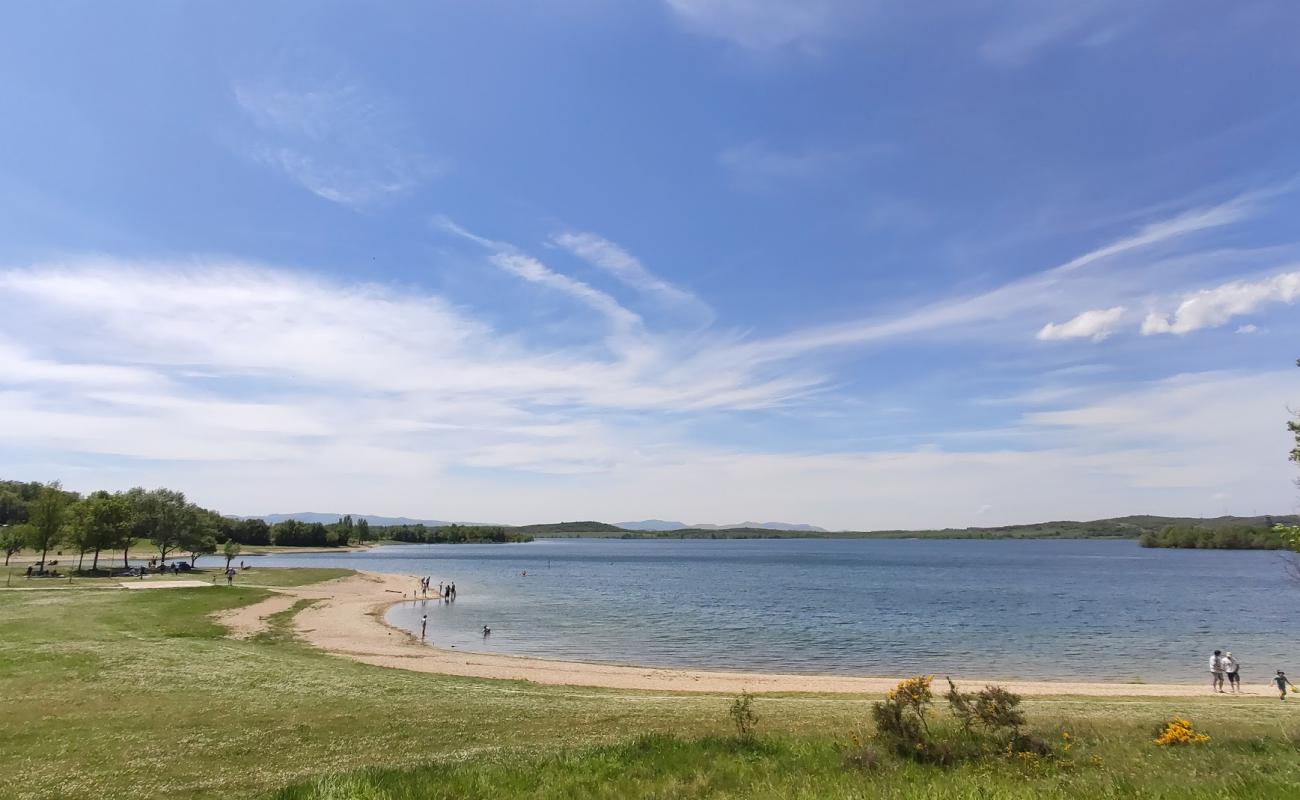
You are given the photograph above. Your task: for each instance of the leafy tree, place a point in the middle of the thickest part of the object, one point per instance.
(230, 551)
(13, 539)
(251, 531)
(159, 515)
(1291, 533)
(46, 516)
(198, 532)
(13, 510)
(100, 522)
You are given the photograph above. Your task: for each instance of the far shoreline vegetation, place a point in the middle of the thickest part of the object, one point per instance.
(48, 519)
(45, 517)
(1226, 532)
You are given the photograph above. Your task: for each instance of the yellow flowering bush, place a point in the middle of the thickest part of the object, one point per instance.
(1180, 731)
(914, 693)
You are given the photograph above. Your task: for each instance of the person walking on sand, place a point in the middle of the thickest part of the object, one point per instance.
(1230, 668)
(1216, 671)
(1281, 681)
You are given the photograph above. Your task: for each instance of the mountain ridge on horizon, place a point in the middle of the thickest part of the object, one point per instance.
(1129, 526)
(380, 521)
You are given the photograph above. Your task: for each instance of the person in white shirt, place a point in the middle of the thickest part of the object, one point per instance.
(1216, 670)
(1230, 667)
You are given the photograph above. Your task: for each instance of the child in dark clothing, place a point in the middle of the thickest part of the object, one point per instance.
(1281, 681)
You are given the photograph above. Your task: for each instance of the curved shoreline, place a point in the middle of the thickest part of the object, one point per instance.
(347, 619)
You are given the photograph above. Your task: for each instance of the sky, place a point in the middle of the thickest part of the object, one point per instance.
(866, 264)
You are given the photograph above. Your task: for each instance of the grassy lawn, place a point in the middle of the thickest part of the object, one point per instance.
(215, 572)
(138, 694)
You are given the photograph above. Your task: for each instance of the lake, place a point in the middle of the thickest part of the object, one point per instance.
(1106, 610)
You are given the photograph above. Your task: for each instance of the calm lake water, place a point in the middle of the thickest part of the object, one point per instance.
(1105, 610)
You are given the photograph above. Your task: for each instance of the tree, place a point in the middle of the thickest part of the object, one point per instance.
(1291, 533)
(13, 538)
(230, 551)
(46, 516)
(100, 522)
(158, 516)
(198, 532)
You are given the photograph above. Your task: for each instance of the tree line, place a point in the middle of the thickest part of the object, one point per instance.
(453, 534)
(1242, 538)
(47, 517)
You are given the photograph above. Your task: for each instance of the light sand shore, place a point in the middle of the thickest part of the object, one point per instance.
(347, 619)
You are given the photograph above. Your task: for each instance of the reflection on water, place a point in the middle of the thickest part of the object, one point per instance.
(1003, 609)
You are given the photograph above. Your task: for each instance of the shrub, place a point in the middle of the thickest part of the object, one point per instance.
(901, 724)
(1179, 731)
(997, 709)
(743, 716)
(962, 705)
(993, 708)
(914, 694)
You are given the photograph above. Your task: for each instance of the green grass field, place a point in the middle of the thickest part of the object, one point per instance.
(139, 694)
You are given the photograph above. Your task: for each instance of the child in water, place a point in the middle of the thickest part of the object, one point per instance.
(1281, 682)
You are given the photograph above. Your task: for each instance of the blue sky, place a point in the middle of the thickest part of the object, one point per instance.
(853, 264)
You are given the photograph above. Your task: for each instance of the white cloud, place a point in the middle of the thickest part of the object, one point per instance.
(259, 389)
(606, 255)
(1032, 28)
(1033, 292)
(764, 24)
(338, 142)
(756, 162)
(1213, 308)
(1097, 325)
(510, 259)
(1247, 329)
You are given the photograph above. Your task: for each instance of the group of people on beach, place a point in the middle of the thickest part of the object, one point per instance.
(1223, 664)
(445, 591)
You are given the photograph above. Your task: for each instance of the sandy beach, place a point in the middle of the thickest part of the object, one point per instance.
(347, 619)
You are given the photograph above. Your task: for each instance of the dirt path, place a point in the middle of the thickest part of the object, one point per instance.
(248, 621)
(347, 620)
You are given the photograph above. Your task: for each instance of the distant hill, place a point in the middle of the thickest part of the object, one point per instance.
(763, 526)
(586, 526)
(375, 521)
(653, 525)
(1130, 527)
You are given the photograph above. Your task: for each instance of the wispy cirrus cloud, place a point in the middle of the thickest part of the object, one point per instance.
(271, 386)
(518, 263)
(764, 24)
(1033, 27)
(1036, 291)
(628, 269)
(759, 164)
(338, 141)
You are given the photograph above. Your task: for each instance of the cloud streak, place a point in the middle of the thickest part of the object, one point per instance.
(762, 24)
(626, 268)
(337, 142)
(267, 387)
